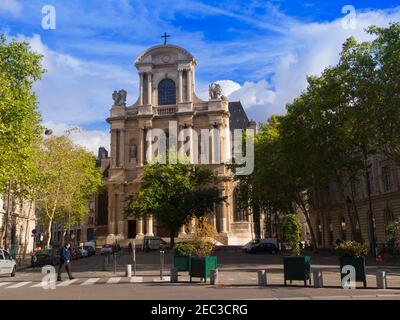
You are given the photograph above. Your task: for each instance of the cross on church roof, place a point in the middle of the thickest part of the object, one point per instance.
(165, 36)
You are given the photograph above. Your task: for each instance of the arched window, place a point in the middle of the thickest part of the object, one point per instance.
(166, 92)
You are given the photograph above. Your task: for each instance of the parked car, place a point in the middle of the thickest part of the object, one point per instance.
(153, 243)
(90, 250)
(8, 266)
(261, 247)
(107, 249)
(82, 252)
(46, 257)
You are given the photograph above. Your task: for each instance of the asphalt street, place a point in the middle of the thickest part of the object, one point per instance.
(237, 280)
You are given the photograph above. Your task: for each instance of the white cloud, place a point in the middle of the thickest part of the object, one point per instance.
(12, 6)
(228, 86)
(315, 46)
(78, 91)
(90, 139)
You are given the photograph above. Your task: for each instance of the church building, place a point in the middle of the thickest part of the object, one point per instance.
(166, 95)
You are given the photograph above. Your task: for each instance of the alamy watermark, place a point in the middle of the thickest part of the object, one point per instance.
(350, 20)
(49, 21)
(205, 146)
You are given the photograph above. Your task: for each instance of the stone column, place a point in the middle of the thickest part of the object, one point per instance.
(182, 232)
(148, 146)
(139, 226)
(189, 85)
(224, 217)
(192, 146)
(121, 148)
(141, 89)
(116, 207)
(110, 229)
(149, 227)
(180, 96)
(192, 225)
(149, 89)
(114, 148)
(141, 147)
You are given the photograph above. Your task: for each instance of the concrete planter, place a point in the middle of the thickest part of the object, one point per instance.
(297, 268)
(182, 262)
(200, 267)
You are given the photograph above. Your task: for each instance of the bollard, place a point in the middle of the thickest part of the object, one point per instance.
(214, 277)
(318, 279)
(381, 280)
(262, 277)
(128, 271)
(174, 275)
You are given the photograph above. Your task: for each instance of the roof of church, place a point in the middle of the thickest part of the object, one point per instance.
(166, 46)
(238, 118)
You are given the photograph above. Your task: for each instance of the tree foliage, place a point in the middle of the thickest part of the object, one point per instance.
(174, 193)
(67, 178)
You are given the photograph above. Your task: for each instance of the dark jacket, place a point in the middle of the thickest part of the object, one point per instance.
(65, 255)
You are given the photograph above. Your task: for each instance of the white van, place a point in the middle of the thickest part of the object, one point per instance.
(8, 266)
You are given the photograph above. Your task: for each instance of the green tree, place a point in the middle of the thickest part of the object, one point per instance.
(174, 193)
(19, 118)
(68, 178)
(289, 231)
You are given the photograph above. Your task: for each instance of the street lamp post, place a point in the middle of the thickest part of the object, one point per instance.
(371, 214)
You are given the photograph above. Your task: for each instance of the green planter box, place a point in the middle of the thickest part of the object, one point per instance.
(297, 268)
(182, 262)
(200, 267)
(359, 264)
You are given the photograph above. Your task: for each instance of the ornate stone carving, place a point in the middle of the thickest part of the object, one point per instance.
(214, 91)
(119, 98)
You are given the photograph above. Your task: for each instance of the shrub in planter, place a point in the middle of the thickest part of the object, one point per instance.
(295, 267)
(353, 253)
(201, 262)
(182, 256)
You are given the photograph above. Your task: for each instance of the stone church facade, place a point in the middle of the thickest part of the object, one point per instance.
(167, 95)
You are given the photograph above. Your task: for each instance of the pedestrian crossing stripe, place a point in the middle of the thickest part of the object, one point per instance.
(114, 280)
(18, 285)
(90, 281)
(66, 283)
(2, 284)
(86, 282)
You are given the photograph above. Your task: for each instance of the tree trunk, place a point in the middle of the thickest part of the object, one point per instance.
(308, 220)
(172, 239)
(256, 221)
(4, 230)
(49, 233)
(26, 230)
(348, 209)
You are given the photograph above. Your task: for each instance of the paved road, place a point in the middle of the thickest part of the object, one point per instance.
(237, 280)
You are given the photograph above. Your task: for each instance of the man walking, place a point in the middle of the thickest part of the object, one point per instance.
(65, 258)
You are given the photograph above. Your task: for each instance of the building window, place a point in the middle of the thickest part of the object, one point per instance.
(166, 92)
(132, 150)
(319, 234)
(240, 213)
(387, 179)
(330, 233)
(358, 232)
(343, 229)
(389, 217)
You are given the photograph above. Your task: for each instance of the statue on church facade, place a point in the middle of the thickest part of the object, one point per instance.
(214, 91)
(119, 98)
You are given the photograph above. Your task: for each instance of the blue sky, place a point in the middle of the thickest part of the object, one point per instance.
(260, 51)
